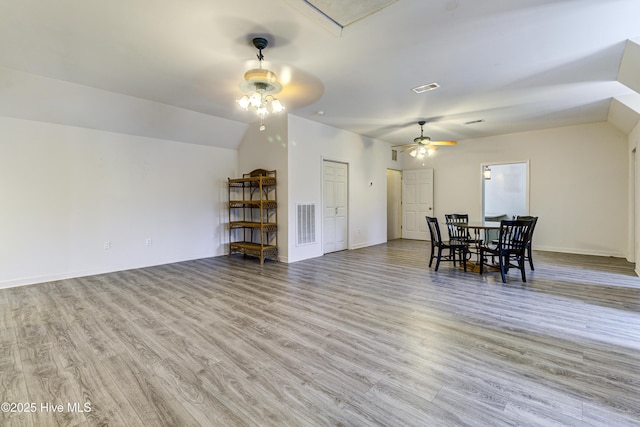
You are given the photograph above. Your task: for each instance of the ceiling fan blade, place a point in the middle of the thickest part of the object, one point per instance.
(402, 145)
(408, 148)
(442, 143)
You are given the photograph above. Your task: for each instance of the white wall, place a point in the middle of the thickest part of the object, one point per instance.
(267, 149)
(578, 184)
(66, 190)
(309, 144)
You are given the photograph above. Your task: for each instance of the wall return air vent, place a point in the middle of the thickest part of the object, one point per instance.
(305, 223)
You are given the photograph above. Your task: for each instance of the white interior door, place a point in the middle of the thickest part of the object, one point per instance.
(417, 202)
(334, 203)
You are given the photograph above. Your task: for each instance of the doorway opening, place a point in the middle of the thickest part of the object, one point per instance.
(394, 204)
(505, 190)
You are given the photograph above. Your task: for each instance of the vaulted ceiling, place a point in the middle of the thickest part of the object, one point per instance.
(171, 69)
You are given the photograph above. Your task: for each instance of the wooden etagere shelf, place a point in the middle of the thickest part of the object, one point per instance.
(253, 215)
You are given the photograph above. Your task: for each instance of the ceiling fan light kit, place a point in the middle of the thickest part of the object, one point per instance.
(423, 145)
(422, 151)
(260, 85)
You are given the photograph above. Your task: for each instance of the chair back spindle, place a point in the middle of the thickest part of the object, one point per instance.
(455, 232)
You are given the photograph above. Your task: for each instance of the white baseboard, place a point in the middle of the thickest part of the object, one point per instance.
(578, 251)
(32, 280)
(366, 244)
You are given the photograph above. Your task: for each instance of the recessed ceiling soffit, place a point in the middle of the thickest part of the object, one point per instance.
(344, 13)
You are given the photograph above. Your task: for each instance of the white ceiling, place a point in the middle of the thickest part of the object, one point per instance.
(517, 65)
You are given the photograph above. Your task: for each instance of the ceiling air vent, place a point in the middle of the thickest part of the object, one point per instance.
(426, 88)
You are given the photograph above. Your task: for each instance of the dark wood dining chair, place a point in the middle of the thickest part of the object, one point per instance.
(533, 227)
(511, 247)
(460, 234)
(453, 246)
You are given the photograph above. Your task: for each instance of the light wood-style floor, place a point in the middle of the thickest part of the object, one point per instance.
(358, 338)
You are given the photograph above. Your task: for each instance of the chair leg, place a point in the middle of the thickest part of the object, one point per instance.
(481, 259)
(502, 259)
(463, 255)
(431, 257)
(530, 257)
(439, 258)
(521, 264)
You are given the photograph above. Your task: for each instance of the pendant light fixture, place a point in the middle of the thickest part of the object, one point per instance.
(260, 85)
(486, 172)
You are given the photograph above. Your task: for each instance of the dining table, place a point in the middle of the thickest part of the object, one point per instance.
(478, 230)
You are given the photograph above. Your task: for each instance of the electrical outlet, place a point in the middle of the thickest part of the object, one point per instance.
(149, 242)
(107, 245)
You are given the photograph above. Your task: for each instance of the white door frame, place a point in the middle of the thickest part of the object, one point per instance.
(345, 207)
(528, 173)
(634, 226)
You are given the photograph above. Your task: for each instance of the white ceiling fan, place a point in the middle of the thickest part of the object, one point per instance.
(423, 145)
